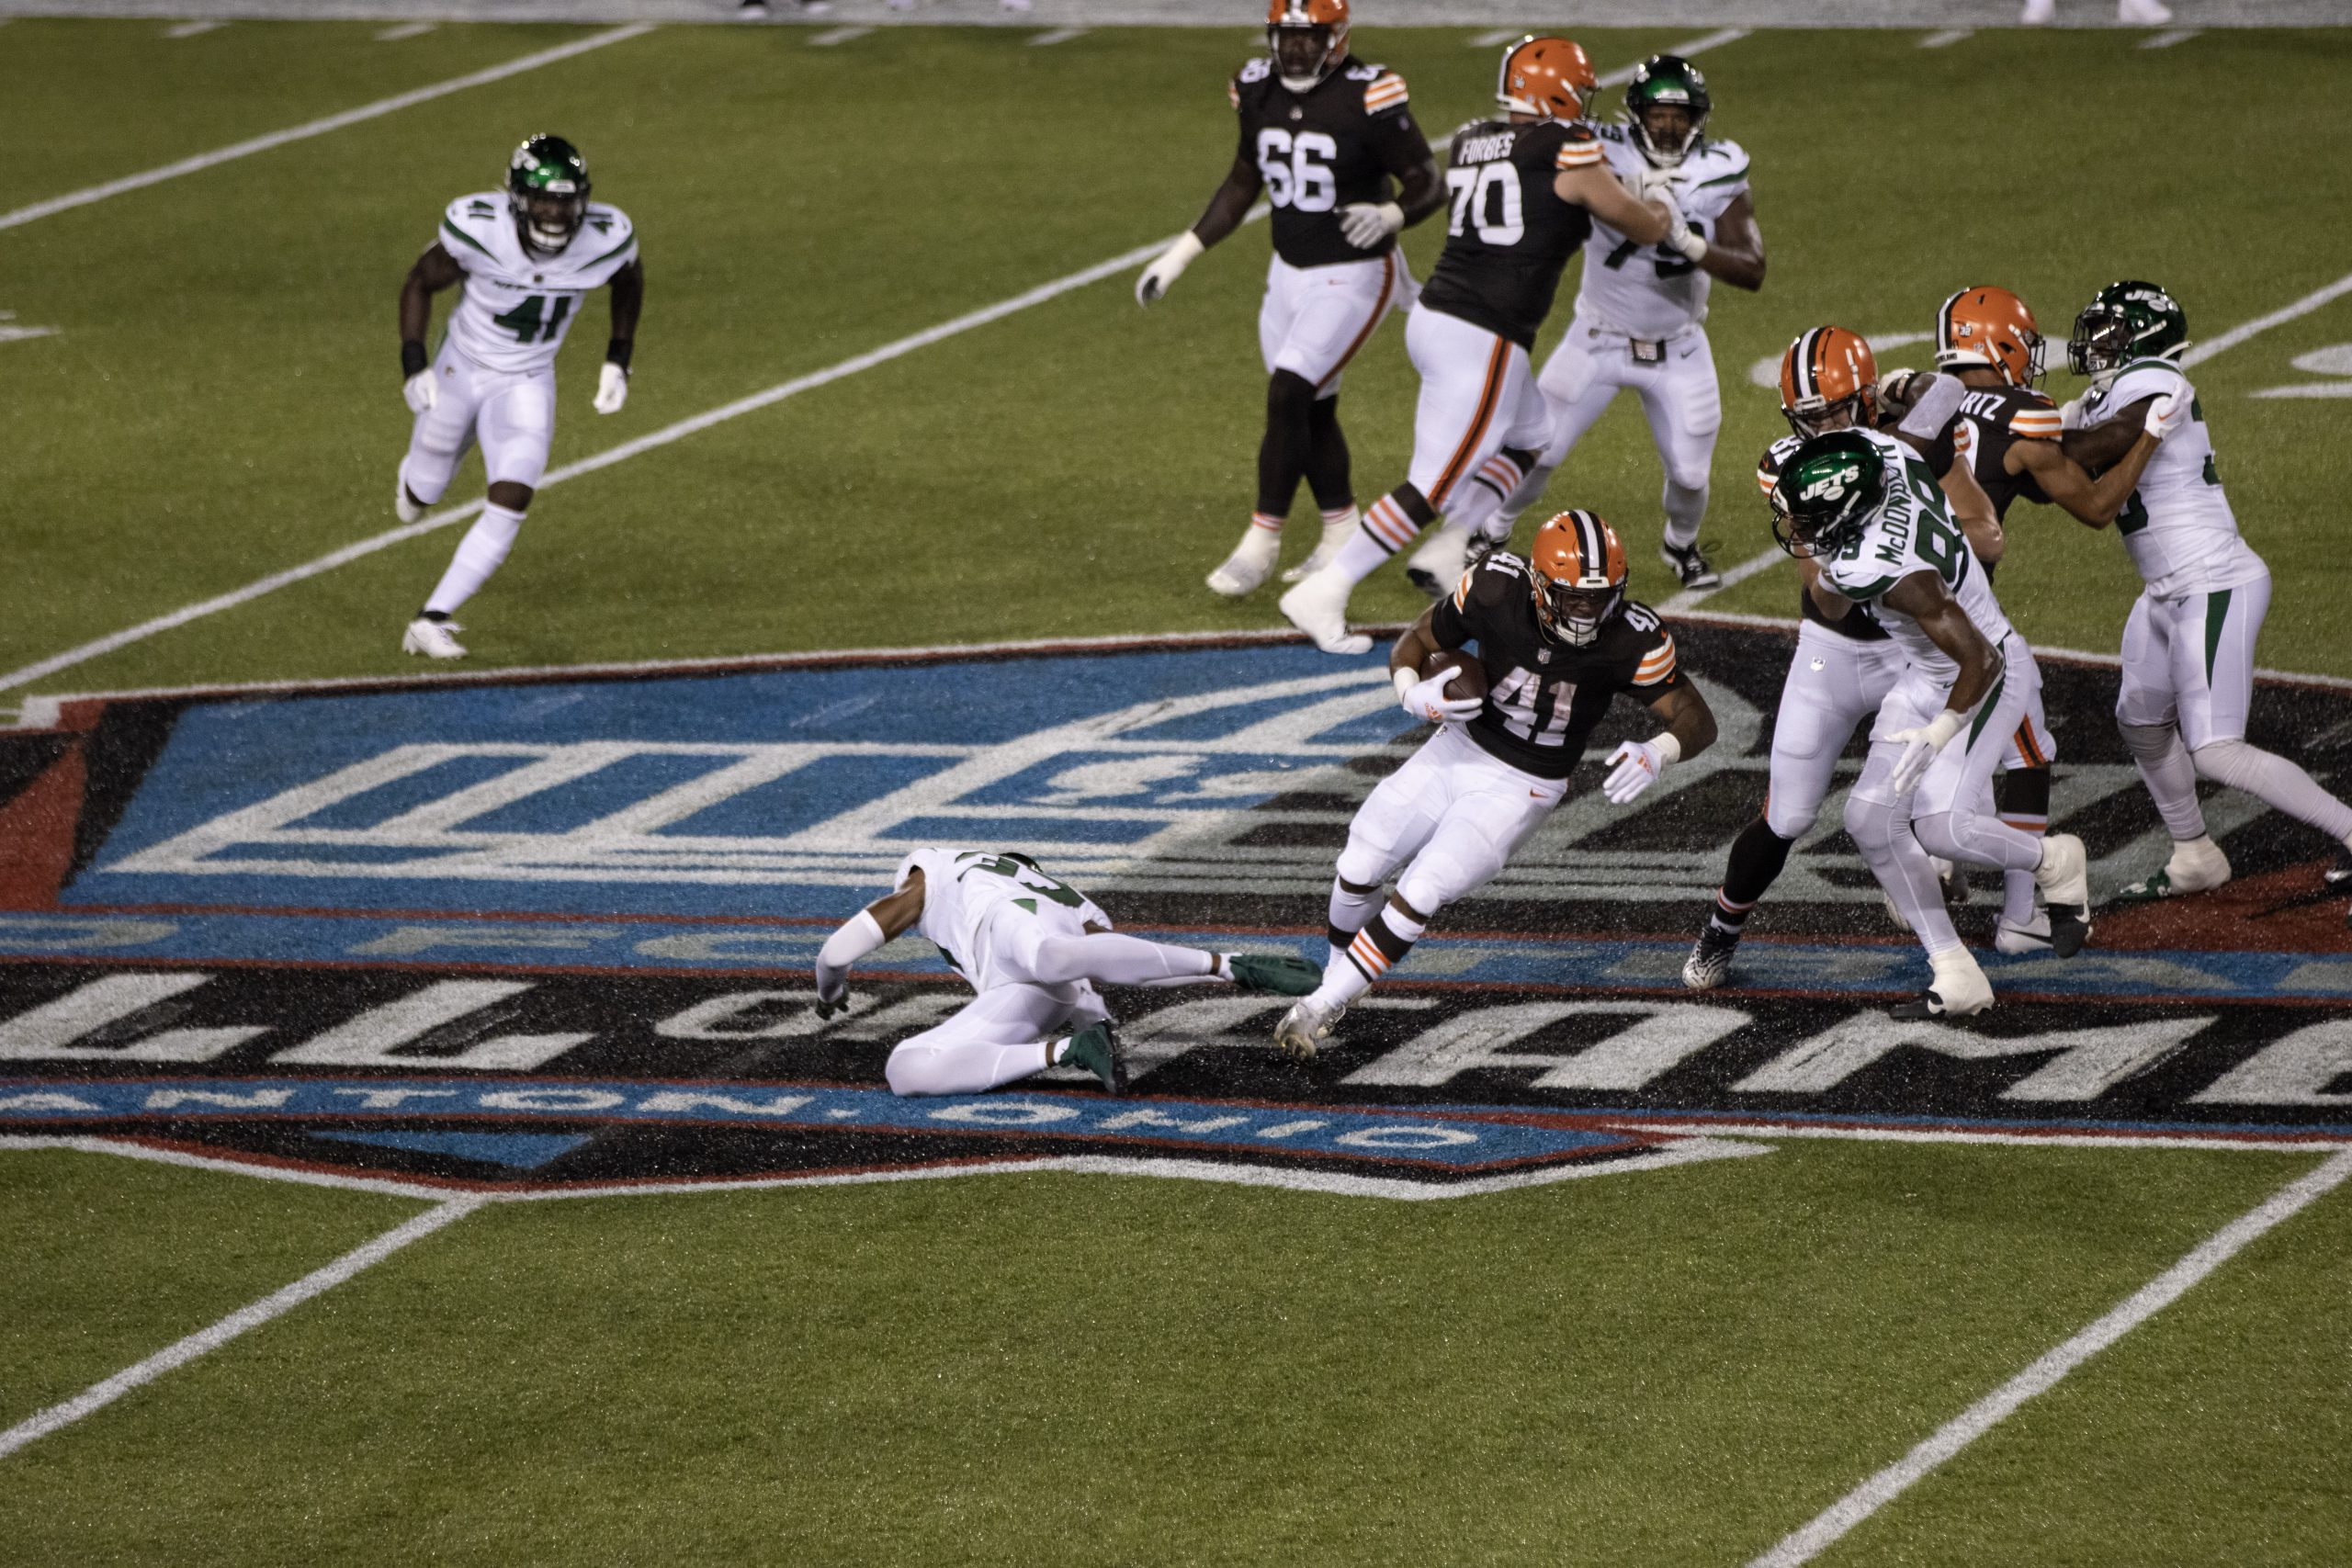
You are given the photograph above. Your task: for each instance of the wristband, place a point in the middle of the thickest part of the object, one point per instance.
(412, 359)
(1670, 749)
(1404, 680)
(617, 351)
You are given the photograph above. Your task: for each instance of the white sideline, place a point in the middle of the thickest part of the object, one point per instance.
(319, 127)
(2198, 354)
(1805, 1544)
(663, 438)
(101, 1394)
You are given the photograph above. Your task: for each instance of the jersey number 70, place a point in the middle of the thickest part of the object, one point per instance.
(1487, 197)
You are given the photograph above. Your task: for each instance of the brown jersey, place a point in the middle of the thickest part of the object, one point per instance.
(1508, 233)
(2002, 417)
(1342, 141)
(1543, 697)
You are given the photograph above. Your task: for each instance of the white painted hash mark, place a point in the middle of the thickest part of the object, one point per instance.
(278, 1303)
(1056, 35)
(192, 29)
(433, 522)
(1947, 38)
(2166, 39)
(2158, 1293)
(832, 36)
(405, 30)
(515, 67)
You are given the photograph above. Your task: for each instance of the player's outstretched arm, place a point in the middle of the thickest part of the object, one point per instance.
(1736, 253)
(2064, 476)
(628, 299)
(1227, 209)
(1595, 189)
(861, 934)
(436, 270)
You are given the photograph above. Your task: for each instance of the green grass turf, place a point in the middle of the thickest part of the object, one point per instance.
(1675, 1367)
(108, 1260)
(222, 399)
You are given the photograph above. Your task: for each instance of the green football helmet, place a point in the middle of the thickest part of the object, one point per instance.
(547, 189)
(1828, 489)
(1665, 80)
(2125, 322)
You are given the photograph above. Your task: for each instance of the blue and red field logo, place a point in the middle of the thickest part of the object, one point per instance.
(554, 933)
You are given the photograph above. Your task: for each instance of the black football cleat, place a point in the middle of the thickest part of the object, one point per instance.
(1690, 566)
(1097, 1049)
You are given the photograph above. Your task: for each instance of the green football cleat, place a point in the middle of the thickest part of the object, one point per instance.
(1097, 1049)
(1282, 975)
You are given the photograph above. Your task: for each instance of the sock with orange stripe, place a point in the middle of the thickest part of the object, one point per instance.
(2025, 806)
(1376, 949)
(1388, 528)
(1475, 504)
(1757, 857)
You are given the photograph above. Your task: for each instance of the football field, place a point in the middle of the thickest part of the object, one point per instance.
(399, 1162)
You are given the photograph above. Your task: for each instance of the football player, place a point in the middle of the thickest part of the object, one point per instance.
(1866, 510)
(1641, 309)
(1526, 189)
(1332, 143)
(2188, 646)
(1557, 640)
(2006, 432)
(527, 258)
(1844, 664)
(1033, 948)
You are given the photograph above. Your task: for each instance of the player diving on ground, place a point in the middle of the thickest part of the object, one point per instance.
(1557, 642)
(526, 259)
(1033, 948)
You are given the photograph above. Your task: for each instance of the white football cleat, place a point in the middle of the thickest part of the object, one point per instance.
(1334, 535)
(432, 640)
(2197, 868)
(2032, 937)
(1319, 607)
(403, 508)
(2064, 878)
(1439, 564)
(1251, 562)
(1958, 989)
(1305, 1027)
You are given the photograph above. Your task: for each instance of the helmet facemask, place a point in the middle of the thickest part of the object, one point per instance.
(546, 191)
(1305, 55)
(550, 218)
(1825, 495)
(2102, 339)
(1667, 106)
(1818, 416)
(1574, 614)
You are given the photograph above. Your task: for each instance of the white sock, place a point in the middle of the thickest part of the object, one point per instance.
(479, 554)
(2170, 774)
(2277, 782)
(1384, 531)
(1686, 508)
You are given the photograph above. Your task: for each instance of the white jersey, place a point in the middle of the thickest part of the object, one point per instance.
(517, 304)
(2177, 525)
(1648, 291)
(964, 890)
(1914, 531)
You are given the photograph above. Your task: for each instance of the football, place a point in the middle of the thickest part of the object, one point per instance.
(1469, 675)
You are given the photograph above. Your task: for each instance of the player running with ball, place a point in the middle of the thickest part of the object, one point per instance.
(1033, 947)
(1557, 642)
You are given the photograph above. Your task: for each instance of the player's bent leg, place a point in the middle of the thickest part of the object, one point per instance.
(1685, 412)
(998, 1036)
(1282, 461)
(2277, 782)
(1318, 605)
(1330, 479)
(1881, 828)
(1113, 959)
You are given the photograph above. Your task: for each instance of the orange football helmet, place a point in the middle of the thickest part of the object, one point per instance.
(1307, 38)
(1828, 381)
(1579, 565)
(1990, 327)
(1548, 77)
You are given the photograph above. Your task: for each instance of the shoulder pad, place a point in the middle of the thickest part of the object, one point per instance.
(1579, 147)
(1384, 91)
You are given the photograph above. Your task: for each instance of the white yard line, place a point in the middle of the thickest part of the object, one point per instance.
(1056, 35)
(405, 30)
(114, 641)
(1496, 36)
(515, 67)
(832, 36)
(278, 1303)
(1947, 38)
(192, 29)
(1842, 1516)
(2166, 39)
(1690, 598)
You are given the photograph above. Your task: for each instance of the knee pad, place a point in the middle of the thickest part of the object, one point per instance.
(1361, 865)
(1941, 832)
(1791, 825)
(1682, 495)
(1872, 824)
(2148, 742)
(1431, 883)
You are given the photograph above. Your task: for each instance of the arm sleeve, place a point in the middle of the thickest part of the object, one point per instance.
(1930, 422)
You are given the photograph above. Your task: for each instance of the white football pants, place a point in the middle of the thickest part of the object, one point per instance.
(511, 413)
(1678, 395)
(1834, 684)
(1455, 812)
(2189, 661)
(1478, 395)
(1315, 319)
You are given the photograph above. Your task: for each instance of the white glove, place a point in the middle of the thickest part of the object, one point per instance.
(1365, 224)
(1680, 236)
(1920, 748)
(2168, 415)
(2070, 415)
(1427, 701)
(420, 391)
(1167, 267)
(612, 388)
(1654, 184)
(1894, 390)
(1638, 765)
